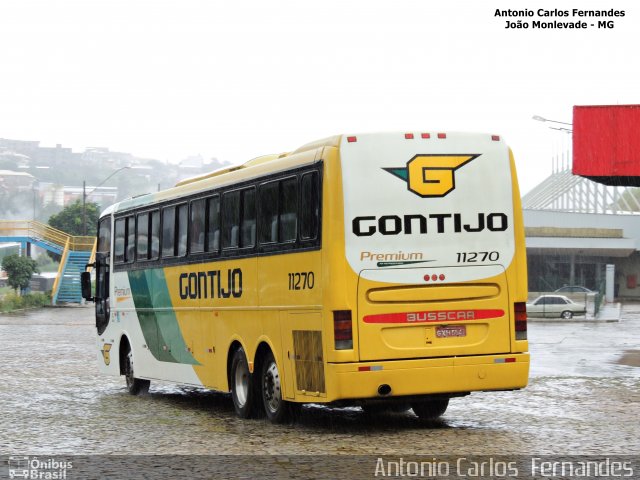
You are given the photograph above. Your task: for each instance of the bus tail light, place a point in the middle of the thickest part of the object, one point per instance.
(520, 309)
(342, 329)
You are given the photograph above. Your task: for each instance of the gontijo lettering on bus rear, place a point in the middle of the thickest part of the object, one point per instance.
(364, 226)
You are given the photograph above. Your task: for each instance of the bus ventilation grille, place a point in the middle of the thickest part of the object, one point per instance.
(307, 345)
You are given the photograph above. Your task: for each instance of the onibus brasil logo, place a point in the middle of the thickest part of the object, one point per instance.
(38, 468)
(431, 175)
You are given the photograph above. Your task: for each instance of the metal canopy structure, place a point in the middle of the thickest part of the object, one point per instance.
(564, 192)
(568, 188)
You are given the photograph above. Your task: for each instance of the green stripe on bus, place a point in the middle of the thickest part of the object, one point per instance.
(156, 316)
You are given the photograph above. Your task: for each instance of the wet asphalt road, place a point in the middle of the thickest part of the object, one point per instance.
(581, 400)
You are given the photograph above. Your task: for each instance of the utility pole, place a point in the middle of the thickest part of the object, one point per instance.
(85, 195)
(84, 208)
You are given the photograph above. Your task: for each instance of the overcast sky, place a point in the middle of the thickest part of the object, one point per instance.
(238, 79)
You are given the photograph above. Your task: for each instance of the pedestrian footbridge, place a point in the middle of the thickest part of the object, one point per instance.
(75, 253)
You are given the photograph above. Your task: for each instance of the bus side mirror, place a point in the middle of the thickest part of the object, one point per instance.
(85, 282)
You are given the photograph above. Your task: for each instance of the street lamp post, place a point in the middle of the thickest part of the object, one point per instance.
(562, 129)
(85, 195)
(542, 119)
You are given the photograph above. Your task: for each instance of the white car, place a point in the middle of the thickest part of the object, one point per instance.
(554, 306)
(574, 289)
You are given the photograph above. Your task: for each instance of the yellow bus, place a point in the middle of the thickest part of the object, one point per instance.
(379, 270)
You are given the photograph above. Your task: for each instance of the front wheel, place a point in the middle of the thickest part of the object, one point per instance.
(430, 409)
(567, 315)
(135, 386)
(277, 410)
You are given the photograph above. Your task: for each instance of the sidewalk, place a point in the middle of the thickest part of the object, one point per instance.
(609, 312)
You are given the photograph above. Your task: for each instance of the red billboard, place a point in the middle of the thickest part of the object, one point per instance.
(606, 143)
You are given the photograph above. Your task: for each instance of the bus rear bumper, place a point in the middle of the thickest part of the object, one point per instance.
(426, 376)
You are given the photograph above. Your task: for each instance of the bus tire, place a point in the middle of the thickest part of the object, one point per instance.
(241, 385)
(135, 386)
(430, 409)
(567, 315)
(277, 409)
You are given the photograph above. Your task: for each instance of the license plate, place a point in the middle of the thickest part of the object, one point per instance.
(451, 331)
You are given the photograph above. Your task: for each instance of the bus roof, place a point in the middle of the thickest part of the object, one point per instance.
(256, 167)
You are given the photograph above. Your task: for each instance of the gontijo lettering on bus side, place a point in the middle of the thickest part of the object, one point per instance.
(211, 284)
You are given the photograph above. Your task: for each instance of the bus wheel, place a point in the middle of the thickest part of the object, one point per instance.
(276, 408)
(567, 315)
(430, 409)
(241, 391)
(135, 386)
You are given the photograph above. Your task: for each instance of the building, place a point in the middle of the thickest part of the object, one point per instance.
(15, 182)
(575, 227)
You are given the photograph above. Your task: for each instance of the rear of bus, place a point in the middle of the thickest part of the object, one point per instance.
(435, 268)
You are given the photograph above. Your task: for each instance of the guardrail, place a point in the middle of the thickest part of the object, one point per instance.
(46, 233)
(52, 239)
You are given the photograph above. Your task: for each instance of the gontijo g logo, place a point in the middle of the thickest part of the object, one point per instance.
(431, 175)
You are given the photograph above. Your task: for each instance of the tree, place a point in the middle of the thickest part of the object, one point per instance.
(69, 220)
(19, 270)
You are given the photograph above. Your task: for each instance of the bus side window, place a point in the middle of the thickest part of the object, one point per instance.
(196, 226)
(118, 254)
(143, 236)
(268, 219)
(168, 231)
(288, 218)
(309, 206)
(131, 239)
(104, 236)
(248, 231)
(213, 224)
(231, 219)
(155, 235)
(181, 236)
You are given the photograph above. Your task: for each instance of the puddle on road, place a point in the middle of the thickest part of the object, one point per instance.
(630, 358)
